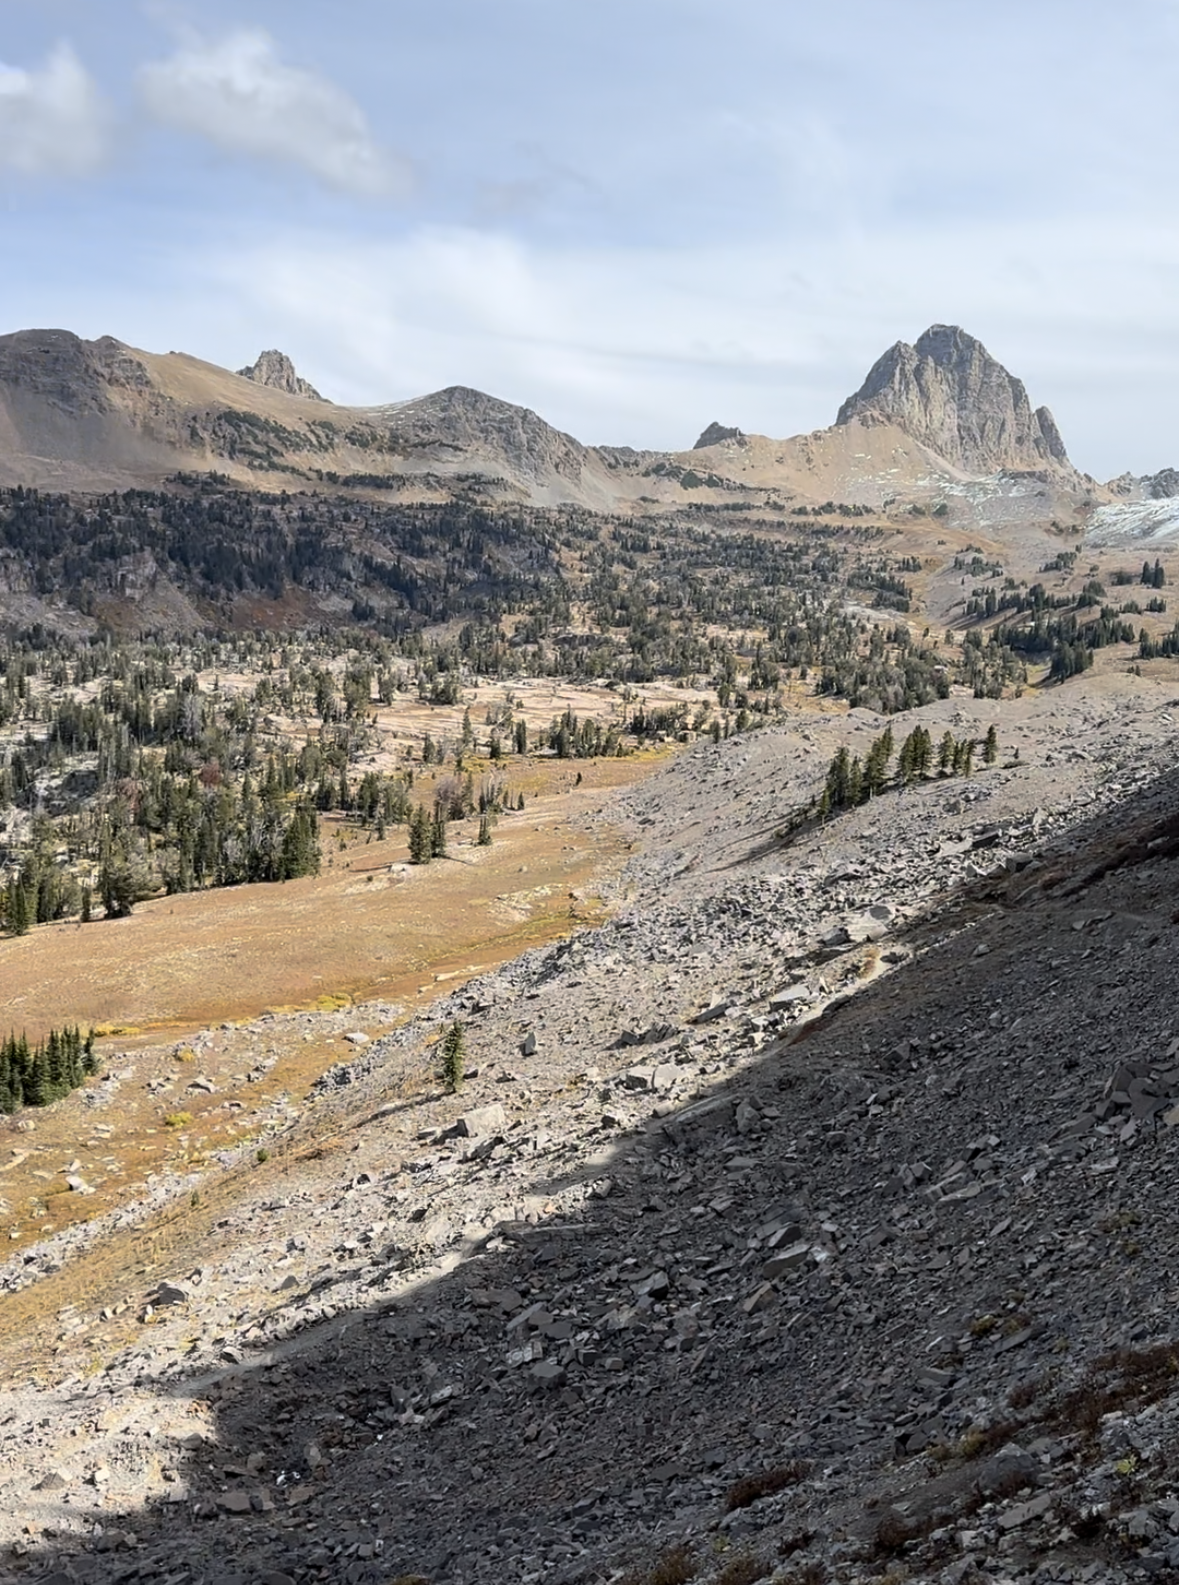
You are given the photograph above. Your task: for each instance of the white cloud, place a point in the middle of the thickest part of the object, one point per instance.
(53, 122)
(646, 345)
(236, 92)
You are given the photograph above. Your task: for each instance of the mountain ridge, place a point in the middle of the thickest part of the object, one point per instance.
(95, 415)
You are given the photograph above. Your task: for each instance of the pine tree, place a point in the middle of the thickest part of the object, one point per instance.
(991, 745)
(438, 834)
(855, 783)
(19, 909)
(838, 774)
(485, 831)
(421, 836)
(453, 1058)
(907, 760)
(876, 765)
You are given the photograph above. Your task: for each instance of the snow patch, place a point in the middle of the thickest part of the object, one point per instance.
(1146, 522)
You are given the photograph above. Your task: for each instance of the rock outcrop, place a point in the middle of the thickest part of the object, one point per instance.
(74, 376)
(277, 371)
(1162, 486)
(715, 434)
(948, 393)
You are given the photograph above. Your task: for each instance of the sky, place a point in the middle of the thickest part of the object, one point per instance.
(635, 218)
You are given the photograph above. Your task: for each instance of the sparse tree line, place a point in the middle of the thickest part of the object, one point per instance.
(1068, 641)
(455, 798)
(1158, 648)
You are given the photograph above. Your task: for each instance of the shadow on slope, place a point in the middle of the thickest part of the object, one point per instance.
(867, 1240)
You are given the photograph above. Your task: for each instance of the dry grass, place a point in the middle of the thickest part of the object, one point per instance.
(751, 1488)
(980, 1441)
(894, 1532)
(812, 1573)
(796, 1541)
(1024, 1393)
(744, 1569)
(676, 1566)
(1114, 1380)
(325, 943)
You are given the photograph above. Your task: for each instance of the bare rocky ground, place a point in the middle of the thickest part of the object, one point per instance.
(814, 1216)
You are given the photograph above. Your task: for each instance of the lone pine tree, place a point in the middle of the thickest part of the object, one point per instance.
(421, 836)
(454, 1052)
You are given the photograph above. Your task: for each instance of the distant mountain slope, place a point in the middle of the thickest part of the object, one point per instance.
(941, 419)
(78, 414)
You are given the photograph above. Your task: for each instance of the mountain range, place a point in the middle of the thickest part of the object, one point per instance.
(937, 420)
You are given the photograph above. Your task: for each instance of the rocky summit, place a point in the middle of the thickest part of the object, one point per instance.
(949, 393)
(277, 371)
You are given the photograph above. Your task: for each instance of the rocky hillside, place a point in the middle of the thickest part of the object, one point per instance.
(810, 1221)
(949, 393)
(97, 415)
(487, 433)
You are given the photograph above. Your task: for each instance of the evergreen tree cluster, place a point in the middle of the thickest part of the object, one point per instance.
(1156, 648)
(427, 834)
(1153, 577)
(39, 1075)
(852, 781)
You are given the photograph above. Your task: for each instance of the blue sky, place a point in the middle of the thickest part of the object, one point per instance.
(634, 218)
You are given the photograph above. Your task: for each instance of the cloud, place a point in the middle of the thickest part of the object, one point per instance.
(236, 92)
(646, 345)
(53, 122)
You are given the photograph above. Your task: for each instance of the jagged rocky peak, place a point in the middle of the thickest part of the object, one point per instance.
(276, 370)
(950, 394)
(1160, 486)
(1164, 485)
(715, 434)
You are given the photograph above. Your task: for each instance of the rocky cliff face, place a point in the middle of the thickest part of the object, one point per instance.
(1161, 486)
(277, 371)
(948, 393)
